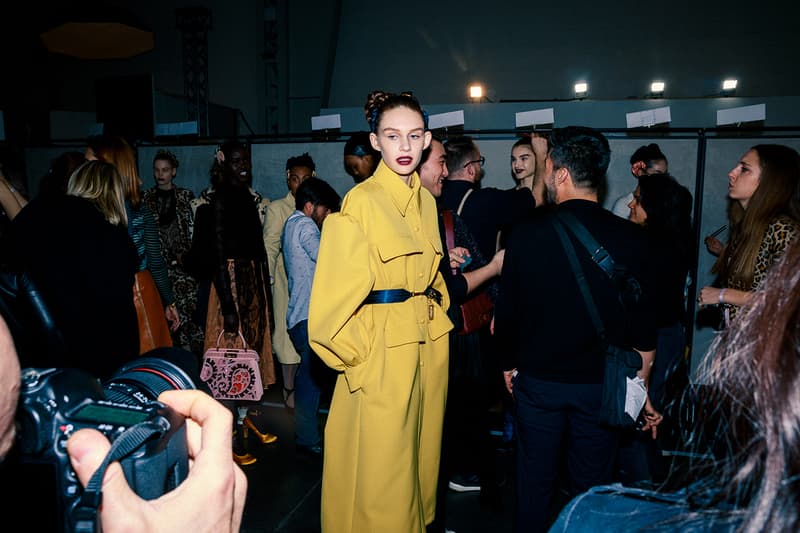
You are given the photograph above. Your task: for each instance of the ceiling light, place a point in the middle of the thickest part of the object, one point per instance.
(657, 87)
(581, 88)
(97, 31)
(729, 85)
(476, 92)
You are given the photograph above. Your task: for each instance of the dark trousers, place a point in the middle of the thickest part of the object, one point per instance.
(466, 443)
(639, 456)
(307, 390)
(557, 421)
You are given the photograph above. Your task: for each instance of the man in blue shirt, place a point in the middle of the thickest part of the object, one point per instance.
(314, 200)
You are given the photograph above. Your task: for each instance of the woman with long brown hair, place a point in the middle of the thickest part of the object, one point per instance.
(764, 217)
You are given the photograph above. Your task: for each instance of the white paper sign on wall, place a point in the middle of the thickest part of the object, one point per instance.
(648, 117)
(446, 120)
(536, 117)
(737, 115)
(326, 122)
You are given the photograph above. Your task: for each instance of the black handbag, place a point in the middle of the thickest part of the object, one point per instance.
(620, 363)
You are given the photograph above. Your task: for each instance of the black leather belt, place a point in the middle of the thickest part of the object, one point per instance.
(390, 296)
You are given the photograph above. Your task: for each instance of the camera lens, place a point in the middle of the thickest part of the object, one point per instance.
(148, 376)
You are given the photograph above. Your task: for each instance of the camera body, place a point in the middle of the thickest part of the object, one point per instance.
(55, 402)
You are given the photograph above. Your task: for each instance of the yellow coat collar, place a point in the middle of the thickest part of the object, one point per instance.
(400, 193)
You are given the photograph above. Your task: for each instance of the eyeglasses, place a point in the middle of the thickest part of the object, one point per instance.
(481, 161)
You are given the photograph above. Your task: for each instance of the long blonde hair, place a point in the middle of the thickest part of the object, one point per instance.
(100, 183)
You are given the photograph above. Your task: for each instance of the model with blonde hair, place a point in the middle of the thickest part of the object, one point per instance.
(76, 249)
(101, 184)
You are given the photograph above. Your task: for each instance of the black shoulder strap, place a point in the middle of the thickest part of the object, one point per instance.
(599, 254)
(580, 277)
(86, 518)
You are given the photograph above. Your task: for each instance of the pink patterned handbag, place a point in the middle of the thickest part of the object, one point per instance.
(232, 373)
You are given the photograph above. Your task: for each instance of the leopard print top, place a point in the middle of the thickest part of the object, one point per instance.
(780, 232)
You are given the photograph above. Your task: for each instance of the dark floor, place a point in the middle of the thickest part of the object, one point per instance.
(284, 487)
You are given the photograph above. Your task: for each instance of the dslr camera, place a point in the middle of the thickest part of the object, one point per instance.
(148, 438)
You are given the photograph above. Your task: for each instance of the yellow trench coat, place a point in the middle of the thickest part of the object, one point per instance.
(383, 434)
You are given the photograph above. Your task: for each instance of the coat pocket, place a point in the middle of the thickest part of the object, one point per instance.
(397, 246)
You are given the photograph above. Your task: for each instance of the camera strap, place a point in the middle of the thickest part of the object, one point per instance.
(85, 515)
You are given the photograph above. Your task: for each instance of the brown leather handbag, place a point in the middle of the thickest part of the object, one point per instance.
(476, 312)
(153, 326)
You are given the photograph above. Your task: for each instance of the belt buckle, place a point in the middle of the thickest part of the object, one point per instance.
(433, 296)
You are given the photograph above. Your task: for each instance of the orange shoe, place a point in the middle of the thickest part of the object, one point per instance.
(240, 454)
(244, 460)
(265, 437)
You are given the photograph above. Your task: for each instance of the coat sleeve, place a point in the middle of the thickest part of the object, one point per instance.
(342, 279)
(273, 226)
(155, 261)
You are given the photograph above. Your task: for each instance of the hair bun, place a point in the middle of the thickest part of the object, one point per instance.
(374, 101)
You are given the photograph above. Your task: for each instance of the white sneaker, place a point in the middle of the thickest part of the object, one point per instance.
(465, 483)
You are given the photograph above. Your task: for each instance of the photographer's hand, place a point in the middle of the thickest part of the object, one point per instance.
(212, 496)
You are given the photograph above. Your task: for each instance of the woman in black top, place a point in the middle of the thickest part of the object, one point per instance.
(228, 254)
(76, 249)
(664, 208)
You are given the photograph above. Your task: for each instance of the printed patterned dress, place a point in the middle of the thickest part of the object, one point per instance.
(173, 213)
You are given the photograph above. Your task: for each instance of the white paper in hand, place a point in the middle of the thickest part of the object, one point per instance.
(635, 396)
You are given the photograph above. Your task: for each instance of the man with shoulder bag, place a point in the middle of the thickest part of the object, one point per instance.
(560, 323)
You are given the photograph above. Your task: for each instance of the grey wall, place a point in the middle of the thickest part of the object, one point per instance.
(269, 162)
(269, 178)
